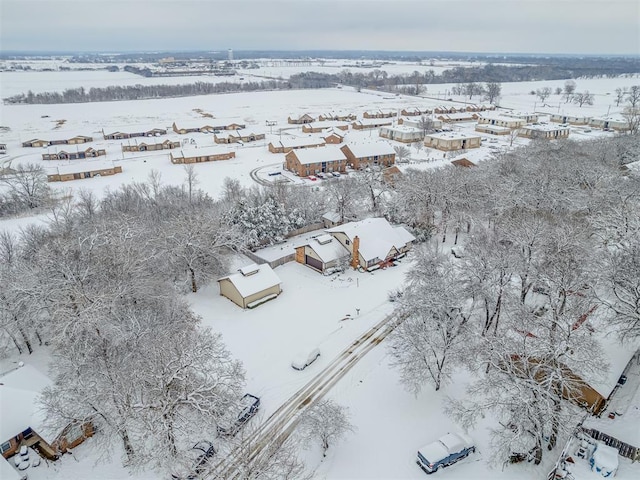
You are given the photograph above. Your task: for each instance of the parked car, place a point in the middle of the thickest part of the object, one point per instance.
(313, 178)
(444, 452)
(198, 457)
(305, 358)
(335, 174)
(321, 175)
(249, 405)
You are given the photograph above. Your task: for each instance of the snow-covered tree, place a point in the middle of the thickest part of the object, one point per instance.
(327, 422)
(429, 342)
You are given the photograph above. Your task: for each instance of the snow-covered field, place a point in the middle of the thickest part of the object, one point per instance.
(391, 423)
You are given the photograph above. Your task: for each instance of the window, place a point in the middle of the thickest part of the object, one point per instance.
(5, 446)
(347, 242)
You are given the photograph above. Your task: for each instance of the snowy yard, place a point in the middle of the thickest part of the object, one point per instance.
(324, 311)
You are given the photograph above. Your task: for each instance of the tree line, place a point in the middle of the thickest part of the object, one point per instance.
(543, 249)
(141, 92)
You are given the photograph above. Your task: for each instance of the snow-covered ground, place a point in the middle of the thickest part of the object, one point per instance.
(391, 423)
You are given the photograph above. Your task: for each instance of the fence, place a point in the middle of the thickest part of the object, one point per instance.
(625, 450)
(305, 229)
(273, 263)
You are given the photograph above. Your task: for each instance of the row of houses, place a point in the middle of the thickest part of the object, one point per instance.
(608, 123)
(37, 143)
(80, 171)
(332, 158)
(75, 155)
(306, 118)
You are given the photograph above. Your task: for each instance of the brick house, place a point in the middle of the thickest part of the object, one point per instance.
(367, 123)
(150, 147)
(361, 155)
(548, 132)
(302, 119)
(319, 127)
(449, 141)
(200, 154)
(83, 170)
(288, 143)
(242, 135)
(77, 155)
(135, 132)
(317, 160)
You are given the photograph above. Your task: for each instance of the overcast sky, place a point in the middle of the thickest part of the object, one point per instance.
(519, 26)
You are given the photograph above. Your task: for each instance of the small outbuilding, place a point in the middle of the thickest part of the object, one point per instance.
(251, 285)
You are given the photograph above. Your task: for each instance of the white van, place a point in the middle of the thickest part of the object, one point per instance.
(305, 358)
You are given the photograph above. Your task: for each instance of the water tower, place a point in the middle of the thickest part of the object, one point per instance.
(230, 55)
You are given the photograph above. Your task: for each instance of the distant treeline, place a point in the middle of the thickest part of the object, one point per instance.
(141, 92)
(488, 73)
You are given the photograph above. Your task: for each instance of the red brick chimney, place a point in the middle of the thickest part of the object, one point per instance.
(355, 256)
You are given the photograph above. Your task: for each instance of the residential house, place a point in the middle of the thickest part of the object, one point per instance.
(323, 253)
(138, 131)
(418, 123)
(415, 111)
(619, 428)
(78, 139)
(22, 420)
(211, 127)
(251, 285)
(361, 155)
(492, 129)
(77, 155)
(331, 219)
(380, 114)
(611, 123)
(549, 132)
(373, 242)
(238, 136)
(200, 154)
(391, 174)
(367, 123)
(146, 146)
(288, 143)
(497, 119)
(78, 171)
(449, 141)
(440, 109)
(458, 117)
(302, 119)
(528, 117)
(307, 162)
(570, 119)
(334, 137)
(337, 116)
(319, 127)
(402, 133)
(463, 162)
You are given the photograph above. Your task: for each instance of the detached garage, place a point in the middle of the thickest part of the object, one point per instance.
(251, 286)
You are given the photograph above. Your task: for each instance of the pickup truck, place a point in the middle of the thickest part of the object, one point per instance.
(445, 451)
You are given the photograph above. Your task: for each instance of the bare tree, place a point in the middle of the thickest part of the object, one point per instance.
(583, 98)
(327, 422)
(558, 91)
(472, 88)
(631, 112)
(621, 93)
(402, 153)
(492, 92)
(512, 135)
(543, 93)
(569, 89)
(27, 184)
(426, 124)
(191, 179)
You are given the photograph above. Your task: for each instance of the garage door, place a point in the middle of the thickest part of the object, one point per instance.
(313, 262)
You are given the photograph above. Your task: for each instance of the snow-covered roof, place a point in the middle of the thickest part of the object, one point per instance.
(251, 283)
(377, 237)
(544, 128)
(290, 142)
(401, 128)
(502, 117)
(374, 121)
(330, 153)
(609, 119)
(138, 128)
(328, 248)
(494, 128)
(79, 167)
(452, 135)
(370, 149)
(328, 124)
(458, 115)
(19, 390)
(332, 216)
(188, 152)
